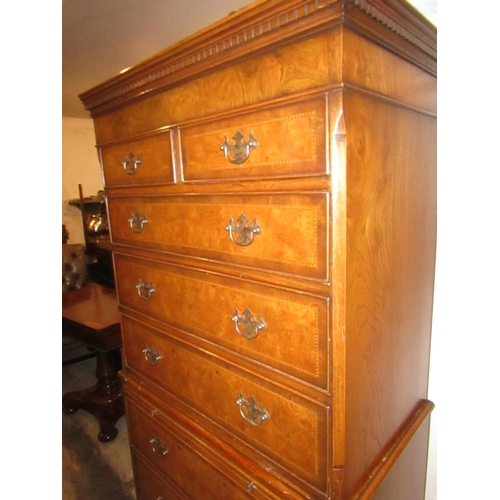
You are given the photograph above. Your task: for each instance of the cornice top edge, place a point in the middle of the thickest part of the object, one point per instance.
(425, 41)
(254, 22)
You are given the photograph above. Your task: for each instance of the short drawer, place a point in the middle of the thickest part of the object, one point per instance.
(263, 323)
(283, 233)
(278, 141)
(281, 425)
(140, 162)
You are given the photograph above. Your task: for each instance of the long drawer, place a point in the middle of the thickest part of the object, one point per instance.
(149, 485)
(263, 323)
(286, 233)
(141, 161)
(279, 424)
(284, 140)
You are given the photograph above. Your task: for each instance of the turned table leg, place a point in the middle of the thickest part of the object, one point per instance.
(105, 399)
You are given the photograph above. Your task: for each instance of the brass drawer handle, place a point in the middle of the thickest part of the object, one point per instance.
(145, 289)
(152, 355)
(137, 221)
(250, 411)
(247, 326)
(131, 163)
(241, 232)
(158, 447)
(239, 151)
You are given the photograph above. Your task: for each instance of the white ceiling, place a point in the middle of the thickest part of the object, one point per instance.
(102, 37)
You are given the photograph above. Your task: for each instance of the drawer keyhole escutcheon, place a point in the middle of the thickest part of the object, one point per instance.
(152, 356)
(238, 151)
(131, 163)
(137, 222)
(145, 289)
(246, 325)
(241, 232)
(250, 411)
(158, 447)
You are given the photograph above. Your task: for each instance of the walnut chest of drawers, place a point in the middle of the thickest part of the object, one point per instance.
(271, 189)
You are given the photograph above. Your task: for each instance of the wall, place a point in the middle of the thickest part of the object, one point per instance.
(466, 328)
(80, 165)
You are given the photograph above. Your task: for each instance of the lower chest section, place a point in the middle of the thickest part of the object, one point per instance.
(196, 419)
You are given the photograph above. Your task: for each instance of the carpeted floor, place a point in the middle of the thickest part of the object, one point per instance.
(92, 470)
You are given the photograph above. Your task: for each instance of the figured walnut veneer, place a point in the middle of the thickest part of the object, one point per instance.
(271, 190)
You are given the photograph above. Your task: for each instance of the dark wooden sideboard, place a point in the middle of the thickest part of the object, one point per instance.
(96, 234)
(271, 192)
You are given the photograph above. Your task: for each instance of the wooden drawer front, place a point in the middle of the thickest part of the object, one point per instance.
(284, 233)
(154, 154)
(290, 141)
(149, 485)
(292, 435)
(177, 460)
(215, 308)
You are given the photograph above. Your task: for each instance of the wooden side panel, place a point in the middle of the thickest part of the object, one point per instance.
(406, 479)
(371, 67)
(391, 227)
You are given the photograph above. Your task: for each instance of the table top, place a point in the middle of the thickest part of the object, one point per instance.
(91, 315)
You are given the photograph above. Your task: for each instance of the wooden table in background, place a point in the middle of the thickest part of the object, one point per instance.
(91, 316)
